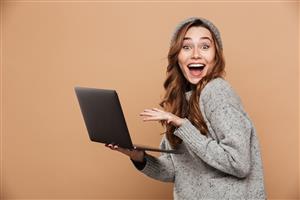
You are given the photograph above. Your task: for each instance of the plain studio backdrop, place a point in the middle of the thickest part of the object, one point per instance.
(48, 47)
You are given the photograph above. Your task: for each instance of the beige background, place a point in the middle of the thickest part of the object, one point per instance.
(49, 47)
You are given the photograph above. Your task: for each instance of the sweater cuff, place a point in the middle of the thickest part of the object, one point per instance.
(152, 166)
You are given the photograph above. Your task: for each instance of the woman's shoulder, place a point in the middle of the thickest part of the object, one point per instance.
(219, 91)
(217, 86)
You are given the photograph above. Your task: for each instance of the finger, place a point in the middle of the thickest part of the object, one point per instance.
(153, 119)
(150, 114)
(153, 110)
(107, 146)
(157, 110)
(111, 146)
(148, 111)
(146, 114)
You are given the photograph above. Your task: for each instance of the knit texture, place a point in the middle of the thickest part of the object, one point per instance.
(225, 164)
(208, 23)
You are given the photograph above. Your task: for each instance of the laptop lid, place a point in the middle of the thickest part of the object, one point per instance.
(104, 118)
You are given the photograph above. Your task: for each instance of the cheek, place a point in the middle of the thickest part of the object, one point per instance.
(183, 56)
(182, 69)
(181, 61)
(180, 58)
(211, 59)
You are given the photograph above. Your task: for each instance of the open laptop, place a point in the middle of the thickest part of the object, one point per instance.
(104, 119)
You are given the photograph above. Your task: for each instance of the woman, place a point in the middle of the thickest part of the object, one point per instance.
(205, 121)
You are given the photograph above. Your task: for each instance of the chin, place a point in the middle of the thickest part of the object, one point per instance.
(194, 81)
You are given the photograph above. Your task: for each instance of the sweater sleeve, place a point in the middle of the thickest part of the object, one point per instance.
(139, 165)
(231, 152)
(160, 168)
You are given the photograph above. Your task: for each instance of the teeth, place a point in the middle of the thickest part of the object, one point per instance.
(196, 65)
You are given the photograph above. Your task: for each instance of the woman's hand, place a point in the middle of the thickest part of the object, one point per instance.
(156, 114)
(136, 155)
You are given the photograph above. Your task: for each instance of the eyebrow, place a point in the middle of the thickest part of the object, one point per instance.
(188, 38)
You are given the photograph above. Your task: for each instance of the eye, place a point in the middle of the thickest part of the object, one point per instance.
(205, 46)
(186, 47)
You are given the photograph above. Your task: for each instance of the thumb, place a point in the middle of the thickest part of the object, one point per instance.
(169, 121)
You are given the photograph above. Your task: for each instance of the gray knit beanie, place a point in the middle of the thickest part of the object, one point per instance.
(208, 23)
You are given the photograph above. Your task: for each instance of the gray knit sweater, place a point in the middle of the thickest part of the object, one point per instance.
(225, 164)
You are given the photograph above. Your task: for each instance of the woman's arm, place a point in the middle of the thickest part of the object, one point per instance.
(231, 154)
(160, 168)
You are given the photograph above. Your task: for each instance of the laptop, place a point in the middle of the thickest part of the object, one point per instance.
(104, 118)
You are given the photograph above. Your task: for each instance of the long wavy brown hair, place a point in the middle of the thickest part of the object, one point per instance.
(176, 85)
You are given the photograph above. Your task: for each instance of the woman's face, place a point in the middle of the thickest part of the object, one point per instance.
(197, 54)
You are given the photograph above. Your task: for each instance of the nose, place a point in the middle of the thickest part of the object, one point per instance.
(196, 54)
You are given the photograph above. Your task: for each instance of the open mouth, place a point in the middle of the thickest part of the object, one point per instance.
(196, 68)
